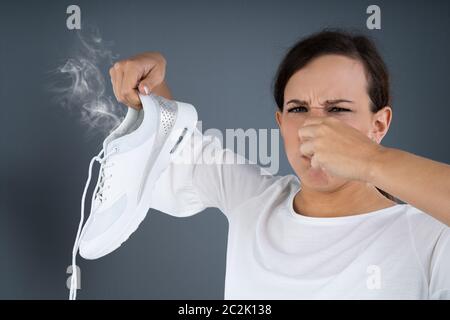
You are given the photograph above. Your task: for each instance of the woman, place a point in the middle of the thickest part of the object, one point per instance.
(333, 230)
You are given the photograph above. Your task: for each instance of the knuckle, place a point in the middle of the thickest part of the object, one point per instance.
(129, 64)
(160, 59)
(125, 94)
(126, 63)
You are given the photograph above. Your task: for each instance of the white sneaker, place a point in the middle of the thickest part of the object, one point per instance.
(135, 155)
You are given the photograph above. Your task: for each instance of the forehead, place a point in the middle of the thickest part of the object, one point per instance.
(328, 77)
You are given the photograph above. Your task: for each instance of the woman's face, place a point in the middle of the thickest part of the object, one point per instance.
(330, 85)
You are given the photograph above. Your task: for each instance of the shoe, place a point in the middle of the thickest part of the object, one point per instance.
(134, 156)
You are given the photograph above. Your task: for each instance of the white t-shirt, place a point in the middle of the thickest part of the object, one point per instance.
(275, 253)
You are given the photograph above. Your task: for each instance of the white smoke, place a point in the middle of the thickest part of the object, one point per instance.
(80, 83)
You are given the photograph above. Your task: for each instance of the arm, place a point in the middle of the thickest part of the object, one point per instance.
(189, 186)
(421, 182)
(197, 181)
(345, 151)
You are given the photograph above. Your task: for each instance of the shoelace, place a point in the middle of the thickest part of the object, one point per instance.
(97, 195)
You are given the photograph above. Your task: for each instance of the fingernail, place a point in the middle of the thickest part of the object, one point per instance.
(146, 90)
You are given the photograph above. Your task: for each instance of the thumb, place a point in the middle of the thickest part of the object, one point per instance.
(146, 86)
(314, 163)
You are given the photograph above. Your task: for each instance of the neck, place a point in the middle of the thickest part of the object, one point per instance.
(352, 198)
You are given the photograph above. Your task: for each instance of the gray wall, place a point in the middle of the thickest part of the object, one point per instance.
(221, 57)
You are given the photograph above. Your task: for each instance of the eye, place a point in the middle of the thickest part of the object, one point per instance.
(297, 109)
(338, 109)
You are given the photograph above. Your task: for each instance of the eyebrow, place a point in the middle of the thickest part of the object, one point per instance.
(327, 102)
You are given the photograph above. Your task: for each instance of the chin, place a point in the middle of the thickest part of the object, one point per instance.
(313, 178)
(316, 184)
(317, 179)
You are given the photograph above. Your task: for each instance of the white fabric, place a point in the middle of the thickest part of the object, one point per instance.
(275, 253)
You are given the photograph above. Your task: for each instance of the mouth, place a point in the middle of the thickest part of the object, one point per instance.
(308, 160)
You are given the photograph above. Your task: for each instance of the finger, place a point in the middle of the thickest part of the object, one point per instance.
(314, 163)
(313, 120)
(308, 132)
(131, 77)
(118, 78)
(144, 88)
(307, 149)
(151, 80)
(114, 82)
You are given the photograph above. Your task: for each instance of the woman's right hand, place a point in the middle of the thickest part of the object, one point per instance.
(143, 73)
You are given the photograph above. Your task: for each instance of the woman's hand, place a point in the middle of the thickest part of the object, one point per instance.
(346, 152)
(142, 73)
(338, 148)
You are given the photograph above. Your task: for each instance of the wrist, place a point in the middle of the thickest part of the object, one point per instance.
(376, 162)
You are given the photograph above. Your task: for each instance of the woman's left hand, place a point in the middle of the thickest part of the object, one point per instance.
(338, 148)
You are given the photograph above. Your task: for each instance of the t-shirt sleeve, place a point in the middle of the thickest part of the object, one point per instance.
(206, 175)
(431, 239)
(440, 267)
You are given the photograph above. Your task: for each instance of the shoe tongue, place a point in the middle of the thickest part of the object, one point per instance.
(127, 124)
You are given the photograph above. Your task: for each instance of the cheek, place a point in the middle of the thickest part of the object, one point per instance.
(291, 138)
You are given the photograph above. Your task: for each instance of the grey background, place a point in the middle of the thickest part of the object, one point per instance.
(222, 56)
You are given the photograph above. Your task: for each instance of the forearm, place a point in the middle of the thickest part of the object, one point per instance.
(421, 182)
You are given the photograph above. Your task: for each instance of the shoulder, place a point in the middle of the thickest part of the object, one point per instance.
(280, 190)
(285, 184)
(274, 189)
(426, 232)
(421, 221)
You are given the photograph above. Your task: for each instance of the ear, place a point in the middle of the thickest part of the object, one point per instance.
(381, 122)
(278, 116)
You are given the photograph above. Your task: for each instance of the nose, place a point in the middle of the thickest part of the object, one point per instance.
(316, 112)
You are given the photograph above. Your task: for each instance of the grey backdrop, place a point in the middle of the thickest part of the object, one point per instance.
(222, 56)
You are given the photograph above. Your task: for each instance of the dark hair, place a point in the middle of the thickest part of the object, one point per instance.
(335, 41)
